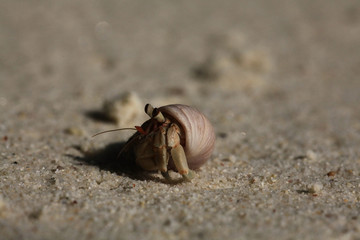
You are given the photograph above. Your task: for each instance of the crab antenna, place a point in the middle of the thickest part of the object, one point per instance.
(114, 130)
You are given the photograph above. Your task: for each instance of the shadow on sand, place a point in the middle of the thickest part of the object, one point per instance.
(108, 159)
(98, 116)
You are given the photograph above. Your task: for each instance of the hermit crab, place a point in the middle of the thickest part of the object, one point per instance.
(176, 137)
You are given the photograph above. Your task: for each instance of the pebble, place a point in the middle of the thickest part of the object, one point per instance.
(75, 131)
(123, 109)
(315, 187)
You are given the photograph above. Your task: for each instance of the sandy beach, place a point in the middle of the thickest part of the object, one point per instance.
(279, 81)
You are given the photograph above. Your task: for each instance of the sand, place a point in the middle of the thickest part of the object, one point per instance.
(278, 79)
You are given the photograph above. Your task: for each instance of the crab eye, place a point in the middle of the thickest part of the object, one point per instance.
(149, 110)
(157, 115)
(155, 112)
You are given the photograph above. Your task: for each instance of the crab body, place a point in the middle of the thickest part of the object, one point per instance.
(176, 137)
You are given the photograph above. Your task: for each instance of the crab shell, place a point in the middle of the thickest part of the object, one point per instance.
(197, 133)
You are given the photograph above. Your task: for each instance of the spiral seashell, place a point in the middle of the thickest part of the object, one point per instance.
(198, 137)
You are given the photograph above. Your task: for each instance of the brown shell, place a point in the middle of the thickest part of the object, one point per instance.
(198, 137)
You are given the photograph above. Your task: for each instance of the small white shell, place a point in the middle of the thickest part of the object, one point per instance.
(198, 137)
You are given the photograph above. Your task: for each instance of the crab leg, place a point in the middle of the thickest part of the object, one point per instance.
(178, 153)
(161, 156)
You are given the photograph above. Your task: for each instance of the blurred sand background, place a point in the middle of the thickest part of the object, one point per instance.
(278, 79)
